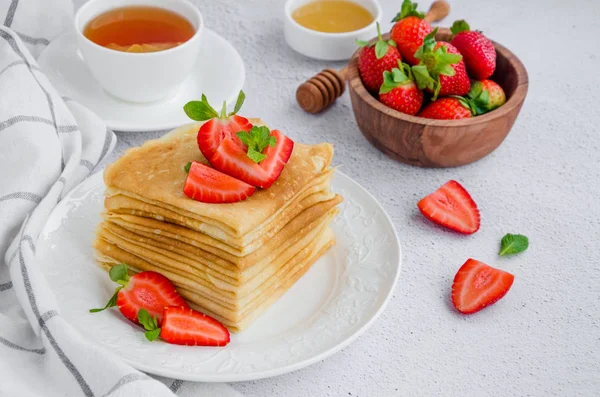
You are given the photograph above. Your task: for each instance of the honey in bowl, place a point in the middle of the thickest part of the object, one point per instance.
(139, 29)
(333, 16)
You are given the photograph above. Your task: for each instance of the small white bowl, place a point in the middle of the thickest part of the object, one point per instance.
(139, 77)
(327, 46)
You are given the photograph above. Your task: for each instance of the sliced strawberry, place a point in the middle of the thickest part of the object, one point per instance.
(146, 290)
(211, 186)
(451, 206)
(237, 162)
(212, 133)
(184, 326)
(217, 126)
(477, 285)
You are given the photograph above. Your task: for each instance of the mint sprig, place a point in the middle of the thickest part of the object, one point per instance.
(257, 140)
(119, 275)
(513, 244)
(150, 324)
(202, 110)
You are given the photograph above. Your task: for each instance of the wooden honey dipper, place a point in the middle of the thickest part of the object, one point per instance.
(321, 90)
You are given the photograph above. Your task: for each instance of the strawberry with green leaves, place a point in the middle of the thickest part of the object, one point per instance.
(448, 108)
(486, 96)
(374, 59)
(217, 126)
(441, 70)
(256, 157)
(146, 290)
(409, 31)
(477, 50)
(399, 90)
(184, 326)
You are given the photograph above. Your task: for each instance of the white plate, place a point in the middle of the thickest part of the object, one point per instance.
(219, 74)
(330, 306)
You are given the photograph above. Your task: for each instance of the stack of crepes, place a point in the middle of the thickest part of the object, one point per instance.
(230, 261)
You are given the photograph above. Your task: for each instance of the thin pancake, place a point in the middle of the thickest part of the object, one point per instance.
(269, 296)
(155, 171)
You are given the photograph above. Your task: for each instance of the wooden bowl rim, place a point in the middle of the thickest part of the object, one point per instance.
(515, 100)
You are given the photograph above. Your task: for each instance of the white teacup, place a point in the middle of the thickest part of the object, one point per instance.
(139, 77)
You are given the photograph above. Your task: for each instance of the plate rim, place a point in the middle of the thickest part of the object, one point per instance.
(263, 374)
(117, 125)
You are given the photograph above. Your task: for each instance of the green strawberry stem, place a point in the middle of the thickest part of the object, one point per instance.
(433, 63)
(396, 77)
(460, 26)
(381, 46)
(408, 9)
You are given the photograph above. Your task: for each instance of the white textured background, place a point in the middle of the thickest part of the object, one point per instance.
(543, 338)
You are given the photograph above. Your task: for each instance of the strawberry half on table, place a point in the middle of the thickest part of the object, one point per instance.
(184, 326)
(477, 285)
(477, 50)
(376, 58)
(451, 206)
(409, 31)
(441, 70)
(145, 290)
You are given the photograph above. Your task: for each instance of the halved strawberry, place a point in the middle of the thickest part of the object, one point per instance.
(184, 326)
(211, 186)
(146, 290)
(261, 160)
(477, 285)
(451, 206)
(218, 126)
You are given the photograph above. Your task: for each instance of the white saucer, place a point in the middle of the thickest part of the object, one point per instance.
(219, 74)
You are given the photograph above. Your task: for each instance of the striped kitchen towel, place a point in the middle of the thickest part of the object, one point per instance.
(47, 146)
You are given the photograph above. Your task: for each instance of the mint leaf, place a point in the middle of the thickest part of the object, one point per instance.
(111, 302)
(200, 110)
(238, 104)
(187, 167)
(152, 335)
(255, 155)
(119, 273)
(513, 244)
(257, 140)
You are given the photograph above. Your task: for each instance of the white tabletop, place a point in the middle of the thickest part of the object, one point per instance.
(543, 338)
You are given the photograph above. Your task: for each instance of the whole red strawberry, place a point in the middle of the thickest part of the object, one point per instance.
(441, 70)
(399, 90)
(477, 50)
(374, 59)
(409, 31)
(447, 108)
(486, 96)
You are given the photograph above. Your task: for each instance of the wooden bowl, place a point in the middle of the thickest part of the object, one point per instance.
(440, 143)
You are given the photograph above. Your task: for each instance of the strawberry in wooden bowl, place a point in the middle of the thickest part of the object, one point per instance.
(471, 92)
